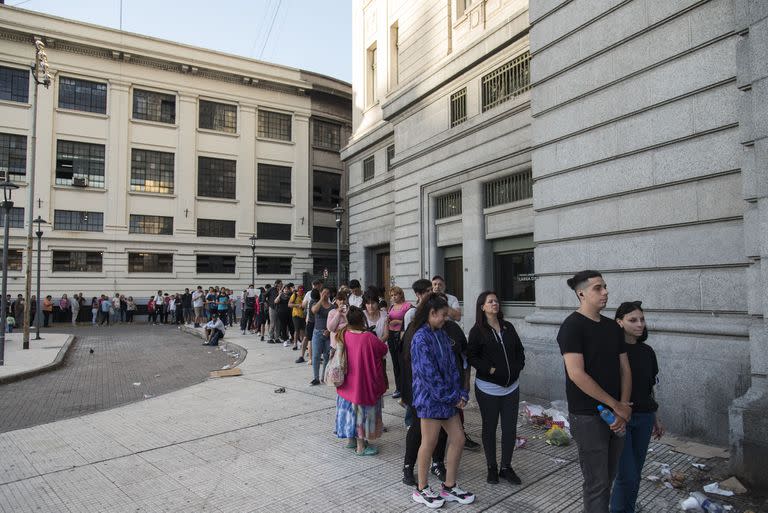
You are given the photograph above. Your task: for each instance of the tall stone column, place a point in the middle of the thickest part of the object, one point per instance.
(475, 251)
(186, 167)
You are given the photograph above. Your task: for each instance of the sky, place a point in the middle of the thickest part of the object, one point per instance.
(307, 34)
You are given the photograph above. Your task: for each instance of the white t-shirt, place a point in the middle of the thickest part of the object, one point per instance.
(197, 299)
(409, 315)
(355, 300)
(453, 302)
(380, 324)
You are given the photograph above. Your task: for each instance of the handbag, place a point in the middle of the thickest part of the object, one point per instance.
(336, 370)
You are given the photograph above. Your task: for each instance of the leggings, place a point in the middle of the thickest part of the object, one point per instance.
(413, 442)
(394, 352)
(491, 408)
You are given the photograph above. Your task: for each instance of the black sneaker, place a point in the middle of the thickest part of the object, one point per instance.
(408, 477)
(493, 475)
(438, 469)
(509, 474)
(427, 497)
(314, 382)
(456, 494)
(300, 359)
(262, 338)
(470, 444)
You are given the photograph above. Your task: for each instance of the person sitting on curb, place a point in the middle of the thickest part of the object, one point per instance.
(214, 331)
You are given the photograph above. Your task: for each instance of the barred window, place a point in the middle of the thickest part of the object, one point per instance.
(16, 217)
(273, 265)
(152, 106)
(273, 231)
(507, 81)
(221, 117)
(390, 156)
(448, 205)
(77, 221)
(509, 189)
(458, 107)
(274, 125)
(80, 164)
(13, 157)
(216, 228)
(14, 84)
(324, 234)
(14, 259)
(215, 264)
(320, 264)
(152, 171)
(77, 261)
(216, 178)
(326, 189)
(326, 135)
(83, 95)
(369, 166)
(150, 262)
(274, 183)
(152, 225)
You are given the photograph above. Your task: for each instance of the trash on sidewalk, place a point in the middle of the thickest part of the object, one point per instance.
(148, 396)
(557, 436)
(280, 390)
(226, 373)
(700, 466)
(137, 384)
(734, 485)
(559, 461)
(225, 367)
(666, 477)
(700, 502)
(715, 488)
(520, 442)
(539, 416)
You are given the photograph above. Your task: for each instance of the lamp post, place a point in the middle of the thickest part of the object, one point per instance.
(39, 221)
(253, 239)
(7, 205)
(338, 211)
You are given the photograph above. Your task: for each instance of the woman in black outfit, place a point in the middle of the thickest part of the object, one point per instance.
(496, 352)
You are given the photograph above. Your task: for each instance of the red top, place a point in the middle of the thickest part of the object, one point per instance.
(364, 383)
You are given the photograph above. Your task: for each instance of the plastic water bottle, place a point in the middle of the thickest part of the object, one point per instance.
(608, 416)
(705, 503)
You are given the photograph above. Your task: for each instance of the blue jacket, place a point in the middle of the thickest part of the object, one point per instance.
(436, 384)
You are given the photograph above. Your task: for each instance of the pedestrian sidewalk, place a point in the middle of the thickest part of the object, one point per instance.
(41, 355)
(241, 444)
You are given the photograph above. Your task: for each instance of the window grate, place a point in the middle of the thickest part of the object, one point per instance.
(448, 205)
(13, 157)
(369, 167)
(326, 189)
(153, 225)
(274, 125)
(323, 234)
(80, 164)
(273, 231)
(274, 183)
(77, 261)
(150, 262)
(14, 84)
(273, 265)
(216, 228)
(221, 117)
(17, 217)
(509, 189)
(78, 221)
(507, 81)
(458, 107)
(326, 135)
(152, 106)
(215, 264)
(390, 156)
(14, 259)
(152, 171)
(82, 95)
(216, 178)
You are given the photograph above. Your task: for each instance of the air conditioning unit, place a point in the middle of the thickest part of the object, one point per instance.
(79, 182)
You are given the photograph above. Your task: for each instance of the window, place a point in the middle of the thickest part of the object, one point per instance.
(274, 183)
(454, 276)
(82, 95)
(273, 265)
(152, 106)
(16, 217)
(458, 107)
(506, 82)
(150, 262)
(390, 156)
(273, 231)
(324, 234)
(370, 76)
(215, 228)
(326, 189)
(79, 164)
(152, 225)
(462, 6)
(221, 117)
(216, 178)
(152, 171)
(215, 264)
(274, 125)
(77, 261)
(13, 157)
(369, 166)
(448, 205)
(14, 84)
(394, 50)
(320, 264)
(508, 189)
(78, 221)
(326, 135)
(14, 259)
(513, 276)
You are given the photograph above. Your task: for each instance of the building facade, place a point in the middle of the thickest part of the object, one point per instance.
(157, 162)
(640, 125)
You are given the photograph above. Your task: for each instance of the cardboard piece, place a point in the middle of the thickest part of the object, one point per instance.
(733, 485)
(226, 373)
(695, 449)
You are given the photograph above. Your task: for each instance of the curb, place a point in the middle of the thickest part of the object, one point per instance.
(230, 347)
(55, 364)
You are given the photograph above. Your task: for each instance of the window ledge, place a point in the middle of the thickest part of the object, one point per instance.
(512, 205)
(277, 141)
(96, 115)
(217, 132)
(219, 200)
(371, 107)
(84, 189)
(448, 220)
(152, 194)
(11, 103)
(149, 122)
(274, 204)
(324, 148)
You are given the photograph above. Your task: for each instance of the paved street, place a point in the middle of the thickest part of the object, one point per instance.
(160, 358)
(235, 445)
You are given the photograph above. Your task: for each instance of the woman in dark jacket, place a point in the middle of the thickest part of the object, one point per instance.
(497, 354)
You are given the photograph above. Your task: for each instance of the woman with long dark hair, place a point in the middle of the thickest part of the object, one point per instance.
(497, 354)
(437, 398)
(643, 423)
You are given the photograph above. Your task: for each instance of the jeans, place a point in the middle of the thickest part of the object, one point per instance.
(46, 316)
(217, 334)
(320, 346)
(493, 407)
(273, 323)
(636, 440)
(599, 453)
(95, 315)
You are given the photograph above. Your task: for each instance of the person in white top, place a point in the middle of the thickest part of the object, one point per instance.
(454, 309)
(355, 294)
(198, 298)
(214, 330)
(421, 288)
(376, 317)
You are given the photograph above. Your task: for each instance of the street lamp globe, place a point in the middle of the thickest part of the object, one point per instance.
(338, 211)
(8, 188)
(253, 240)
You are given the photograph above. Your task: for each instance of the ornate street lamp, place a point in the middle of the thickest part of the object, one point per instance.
(39, 221)
(253, 240)
(7, 205)
(338, 211)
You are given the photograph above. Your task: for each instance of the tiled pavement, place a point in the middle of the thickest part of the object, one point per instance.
(233, 445)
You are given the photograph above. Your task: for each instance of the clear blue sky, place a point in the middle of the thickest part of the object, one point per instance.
(307, 34)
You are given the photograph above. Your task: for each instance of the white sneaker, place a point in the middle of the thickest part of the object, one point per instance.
(456, 494)
(286, 343)
(427, 497)
(243, 332)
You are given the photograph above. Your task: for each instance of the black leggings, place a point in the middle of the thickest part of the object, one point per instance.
(413, 442)
(491, 408)
(394, 352)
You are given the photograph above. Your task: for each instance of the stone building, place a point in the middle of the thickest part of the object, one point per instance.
(157, 161)
(640, 125)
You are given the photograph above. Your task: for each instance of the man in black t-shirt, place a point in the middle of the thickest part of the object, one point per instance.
(596, 372)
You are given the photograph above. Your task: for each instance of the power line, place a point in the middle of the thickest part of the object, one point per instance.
(266, 40)
(258, 28)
